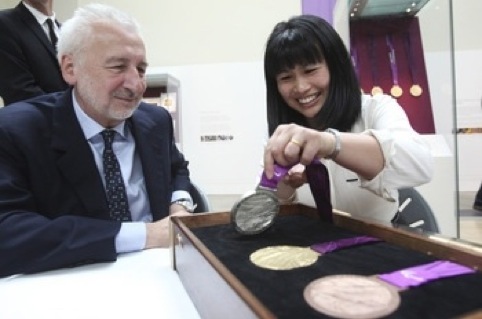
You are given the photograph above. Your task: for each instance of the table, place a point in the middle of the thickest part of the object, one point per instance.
(138, 285)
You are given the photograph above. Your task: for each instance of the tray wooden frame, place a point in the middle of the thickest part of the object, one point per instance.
(217, 293)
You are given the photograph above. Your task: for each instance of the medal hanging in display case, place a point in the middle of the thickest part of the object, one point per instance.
(415, 89)
(375, 89)
(391, 61)
(396, 91)
(355, 62)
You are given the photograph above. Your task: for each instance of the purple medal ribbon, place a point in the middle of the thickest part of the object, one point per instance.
(318, 179)
(411, 60)
(419, 275)
(393, 60)
(279, 172)
(330, 246)
(354, 59)
(373, 61)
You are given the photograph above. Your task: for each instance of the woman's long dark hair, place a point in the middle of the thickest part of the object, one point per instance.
(304, 40)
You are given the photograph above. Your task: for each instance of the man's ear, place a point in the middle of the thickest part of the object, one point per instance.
(67, 68)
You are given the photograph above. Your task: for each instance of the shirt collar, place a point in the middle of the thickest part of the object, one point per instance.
(89, 126)
(39, 16)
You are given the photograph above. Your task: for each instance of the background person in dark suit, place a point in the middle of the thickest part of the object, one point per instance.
(28, 62)
(54, 211)
(478, 200)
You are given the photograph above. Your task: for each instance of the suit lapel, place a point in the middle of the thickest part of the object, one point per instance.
(77, 165)
(36, 29)
(148, 144)
(75, 160)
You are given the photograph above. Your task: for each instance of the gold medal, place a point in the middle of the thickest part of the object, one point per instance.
(284, 257)
(416, 90)
(377, 90)
(396, 91)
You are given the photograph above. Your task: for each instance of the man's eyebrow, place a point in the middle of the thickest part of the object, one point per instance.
(124, 60)
(116, 59)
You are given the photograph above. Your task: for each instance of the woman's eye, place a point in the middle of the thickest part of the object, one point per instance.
(311, 70)
(284, 77)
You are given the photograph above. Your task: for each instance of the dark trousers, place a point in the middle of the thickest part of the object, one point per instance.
(478, 198)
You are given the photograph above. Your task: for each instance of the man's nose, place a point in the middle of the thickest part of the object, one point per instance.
(134, 79)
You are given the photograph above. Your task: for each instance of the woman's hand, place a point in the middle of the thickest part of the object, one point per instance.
(292, 144)
(296, 176)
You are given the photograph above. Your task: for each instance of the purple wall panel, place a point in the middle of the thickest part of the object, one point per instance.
(369, 46)
(321, 8)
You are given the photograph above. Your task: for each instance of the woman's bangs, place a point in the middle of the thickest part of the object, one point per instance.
(288, 53)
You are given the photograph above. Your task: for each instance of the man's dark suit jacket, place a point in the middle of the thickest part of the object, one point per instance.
(28, 62)
(53, 207)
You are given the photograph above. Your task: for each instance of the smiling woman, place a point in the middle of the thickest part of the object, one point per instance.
(313, 97)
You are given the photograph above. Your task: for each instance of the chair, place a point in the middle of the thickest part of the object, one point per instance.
(199, 198)
(414, 211)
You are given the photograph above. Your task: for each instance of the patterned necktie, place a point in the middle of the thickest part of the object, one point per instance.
(114, 184)
(52, 35)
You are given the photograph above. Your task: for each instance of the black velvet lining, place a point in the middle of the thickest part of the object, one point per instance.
(282, 291)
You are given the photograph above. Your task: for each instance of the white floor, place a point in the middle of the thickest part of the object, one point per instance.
(470, 226)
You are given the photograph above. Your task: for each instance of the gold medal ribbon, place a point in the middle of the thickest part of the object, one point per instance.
(396, 91)
(373, 63)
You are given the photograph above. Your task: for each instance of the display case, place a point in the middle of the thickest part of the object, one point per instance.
(396, 50)
(213, 262)
(164, 90)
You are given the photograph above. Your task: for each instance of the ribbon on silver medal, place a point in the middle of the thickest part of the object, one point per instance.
(255, 213)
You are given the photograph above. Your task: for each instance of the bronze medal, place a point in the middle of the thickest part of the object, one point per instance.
(284, 257)
(377, 90)
(416, 90)
(352, 297)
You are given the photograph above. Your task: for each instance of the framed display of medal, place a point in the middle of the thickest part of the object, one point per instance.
(390, 60)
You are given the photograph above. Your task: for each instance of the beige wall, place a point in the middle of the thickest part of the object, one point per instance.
(467, 27)
(4, 4)
(183, 32)
(214, 48)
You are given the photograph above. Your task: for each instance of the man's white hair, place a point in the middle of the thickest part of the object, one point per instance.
(76, 31)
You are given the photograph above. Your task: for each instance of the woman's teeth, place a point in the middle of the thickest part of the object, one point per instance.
(307, 99)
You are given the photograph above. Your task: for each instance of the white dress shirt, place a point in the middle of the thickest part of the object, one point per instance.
(408, 163)
(42, 20)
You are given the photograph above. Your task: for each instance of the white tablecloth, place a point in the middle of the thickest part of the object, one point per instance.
(138, 285)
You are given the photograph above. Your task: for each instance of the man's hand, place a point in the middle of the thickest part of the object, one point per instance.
(158, 232)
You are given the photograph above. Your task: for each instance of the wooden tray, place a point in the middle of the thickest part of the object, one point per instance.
(218, 293)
